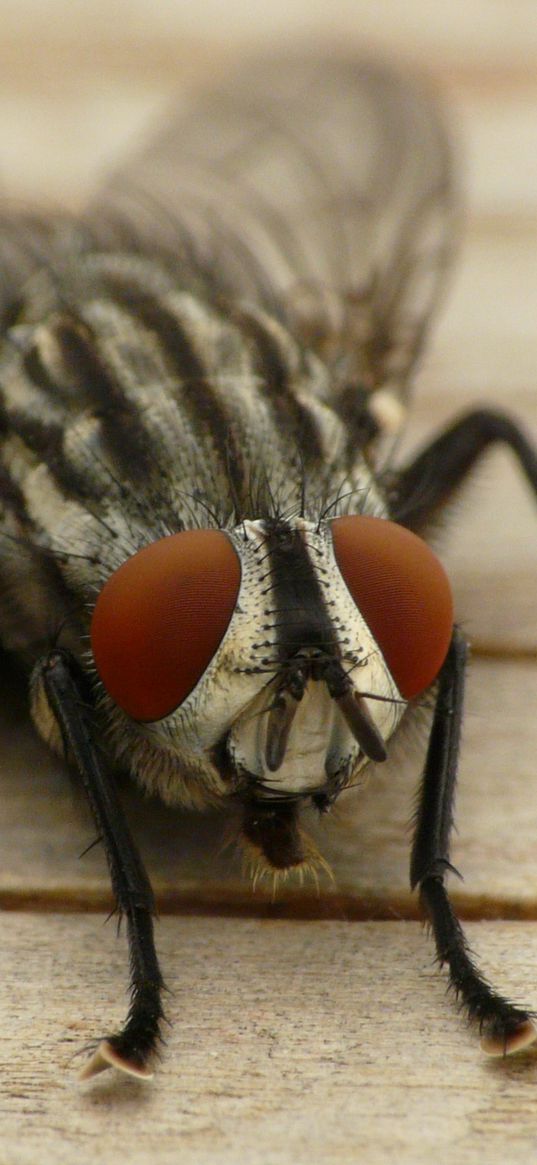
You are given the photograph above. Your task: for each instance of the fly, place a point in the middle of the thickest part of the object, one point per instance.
(199, 379)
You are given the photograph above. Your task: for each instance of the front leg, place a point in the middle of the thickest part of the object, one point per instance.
(58, 679)
(504, 1027)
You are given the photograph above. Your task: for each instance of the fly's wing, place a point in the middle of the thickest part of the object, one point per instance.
(320, 190)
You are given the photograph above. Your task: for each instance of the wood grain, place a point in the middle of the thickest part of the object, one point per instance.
(46, 827)
(291, 1042)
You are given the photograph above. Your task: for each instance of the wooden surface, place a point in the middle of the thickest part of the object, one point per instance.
(298, 1042)
(315, 1028)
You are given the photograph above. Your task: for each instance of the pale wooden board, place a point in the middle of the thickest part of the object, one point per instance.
(366, 839)
(290, 1041)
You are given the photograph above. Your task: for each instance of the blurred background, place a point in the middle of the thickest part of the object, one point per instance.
(79, 80)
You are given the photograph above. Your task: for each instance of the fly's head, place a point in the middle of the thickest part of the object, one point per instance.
(270, 662)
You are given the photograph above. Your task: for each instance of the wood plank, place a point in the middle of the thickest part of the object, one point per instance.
(365, 840)
(289, 1042)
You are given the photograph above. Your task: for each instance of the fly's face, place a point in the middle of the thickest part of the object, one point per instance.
(310, 724)
(282, 654)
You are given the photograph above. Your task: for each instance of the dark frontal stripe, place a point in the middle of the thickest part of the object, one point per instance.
(270, 365)
(123, 429)
(301, 616)
(201, 400)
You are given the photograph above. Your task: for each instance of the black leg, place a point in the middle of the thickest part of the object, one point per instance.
(504, 1027)
(430, 480)
(61, 681)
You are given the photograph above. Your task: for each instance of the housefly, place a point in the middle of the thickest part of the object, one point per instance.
(200, 378)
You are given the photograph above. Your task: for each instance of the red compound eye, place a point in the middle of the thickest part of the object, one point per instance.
(160, 618)
(402, 592)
